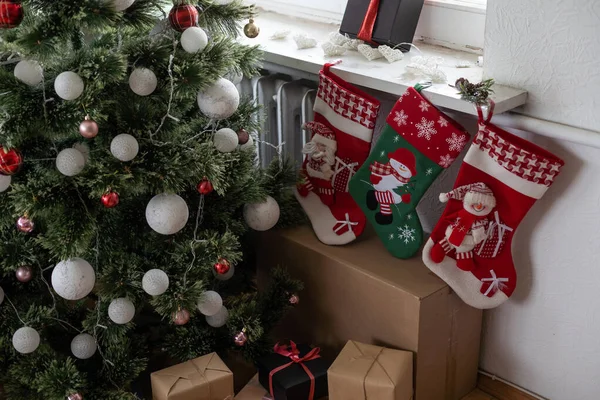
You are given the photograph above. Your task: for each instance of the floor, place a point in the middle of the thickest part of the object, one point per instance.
(478, 395)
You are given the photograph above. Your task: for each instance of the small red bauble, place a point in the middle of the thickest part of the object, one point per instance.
(110, 199)
(184, 16)
(205, 187)
(222, 267)
(88, 128)
(294, 299)
(11, 13)
(25, 225)
(10, 161)
(240, 339)
(243, 136)
(181, 317)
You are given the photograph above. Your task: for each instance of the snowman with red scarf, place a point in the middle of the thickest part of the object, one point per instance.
(387, 179)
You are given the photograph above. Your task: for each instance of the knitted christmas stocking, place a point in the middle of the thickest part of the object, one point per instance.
(342, 133)
(500, 179)
(417, 144)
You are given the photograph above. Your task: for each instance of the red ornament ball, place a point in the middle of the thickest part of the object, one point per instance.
(205, 187)
(243, 136)
(25, 225)
(75, 396)
(222, 267)
(10, 161)
(294, 299)
(184, 16)
(11, 13)
(110, 199)
(240, 339)
(88, 128)
(181, 317)
(24, 273)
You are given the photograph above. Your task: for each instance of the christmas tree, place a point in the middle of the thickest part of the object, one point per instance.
(128, 184)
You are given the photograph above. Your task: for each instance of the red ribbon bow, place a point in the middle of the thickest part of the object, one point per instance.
(368, 25)
(293, 354)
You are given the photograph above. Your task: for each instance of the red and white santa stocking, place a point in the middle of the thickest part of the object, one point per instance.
(344, 120)
(502, 176)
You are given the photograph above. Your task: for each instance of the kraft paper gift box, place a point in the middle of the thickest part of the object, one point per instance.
(367, 372)
(204, 378)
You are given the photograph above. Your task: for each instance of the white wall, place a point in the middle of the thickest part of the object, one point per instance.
(547, 337)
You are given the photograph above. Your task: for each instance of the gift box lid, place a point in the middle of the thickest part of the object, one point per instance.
(207, 377)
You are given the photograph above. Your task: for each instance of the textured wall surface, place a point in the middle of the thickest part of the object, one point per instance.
(546, 338)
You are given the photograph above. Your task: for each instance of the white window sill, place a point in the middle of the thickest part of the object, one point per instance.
(283, 56)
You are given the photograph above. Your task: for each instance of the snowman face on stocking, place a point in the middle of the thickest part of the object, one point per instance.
(402, 169)
(479, 204)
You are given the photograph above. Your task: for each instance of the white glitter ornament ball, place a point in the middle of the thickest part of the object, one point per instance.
(219, 319)
(124, 147)
(194, 40)
(155, 282)
(1, 295)
(121, 311)
(70, 162)
(167, 214)
(235, 78)
(73, 279)
(223, 2)
(226, 140)
(5, 181)
(219, 101)
(210, 303)
(26, 340)
(122, 5)
(83, 346)
(143, 82)
(68, 85)
(249, 145)
(29, 72)
(262, 216)
(225, 277)
(84, 149)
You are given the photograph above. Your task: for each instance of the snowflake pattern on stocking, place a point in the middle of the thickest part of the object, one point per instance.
(396, 139)
(406, 93)
(424, 106)
(456, 142)
(426, 128)
(445, 161)
(429, 171)
(406, 234)
(442, 121)
(400, 117)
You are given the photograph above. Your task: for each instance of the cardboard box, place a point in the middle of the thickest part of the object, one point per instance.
(204, 378)
(365, 372)
(361, 292)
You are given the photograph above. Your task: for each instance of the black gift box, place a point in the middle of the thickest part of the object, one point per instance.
(396, 21)
(293, 383)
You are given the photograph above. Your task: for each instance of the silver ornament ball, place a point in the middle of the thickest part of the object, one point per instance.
(29, 72)
(167, 214)
(143, 81)
(210, 303)
(124, 147)
(5, 181)
(219, 101)
(26, 340)
(122, 5)
(70, 162)
(262, 216)
(226, 140)
(121, 311)
(155, 282)
(68, 85)
(83, 346)
(194, 40)
(73, 279)
(219, 319)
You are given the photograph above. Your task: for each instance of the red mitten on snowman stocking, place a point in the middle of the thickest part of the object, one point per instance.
(346, 117)
(502, 176)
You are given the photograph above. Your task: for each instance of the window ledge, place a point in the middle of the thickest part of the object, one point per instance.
(283, 56)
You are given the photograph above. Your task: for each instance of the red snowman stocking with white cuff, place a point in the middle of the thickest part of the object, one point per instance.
(342, 133)
(501, 177)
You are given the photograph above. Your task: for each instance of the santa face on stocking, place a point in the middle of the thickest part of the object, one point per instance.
(389, 181)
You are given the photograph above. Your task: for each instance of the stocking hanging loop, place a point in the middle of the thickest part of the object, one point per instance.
(490, 111)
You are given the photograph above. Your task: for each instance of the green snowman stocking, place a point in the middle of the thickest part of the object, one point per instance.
(417, 144)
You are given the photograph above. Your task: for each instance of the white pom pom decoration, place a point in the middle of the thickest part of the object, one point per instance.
(167, 214)
(122, 5)
(26, 340)
(124, 147)
(262, 216)
(219, 319)
(210, 303)
(235, 78)
(5, 181)
(1, 295)
(29, 72)
(70, 162)
(73, 279)
(143, 82)
(121, 311)
(83, 346)
(219, 101)
(226, 140)
(227, 276)
(249, 145)
(68, 85)
(194, 40)
(155, 282)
